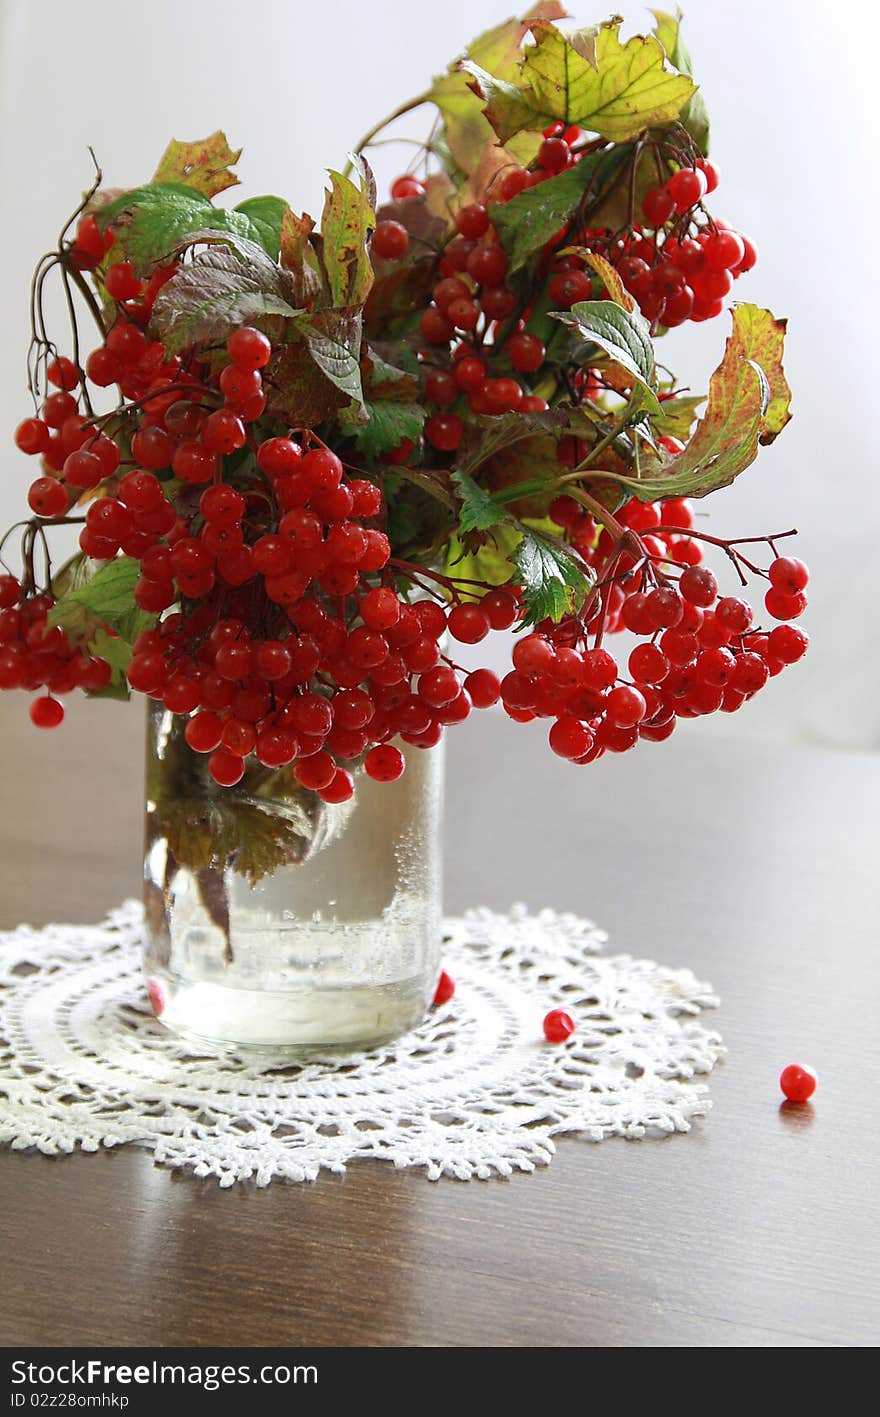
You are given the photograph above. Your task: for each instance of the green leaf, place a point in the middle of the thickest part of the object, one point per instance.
(110, 592)
(266, 216)
(204, 166)
(388, 424)
(628, 90)
(151, 222)
(748, 405)
(117, 652)
(552, 581)
(218, 291)
(346, 224)
(694, 117)
(467, 132)
(528, 221)
(624, 335)
(676, 416)
(479, 510)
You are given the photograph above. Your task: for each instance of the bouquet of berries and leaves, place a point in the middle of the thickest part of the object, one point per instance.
(308, 462)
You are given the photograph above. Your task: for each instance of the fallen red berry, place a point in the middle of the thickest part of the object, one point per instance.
(558, 1026)
(798, 1082)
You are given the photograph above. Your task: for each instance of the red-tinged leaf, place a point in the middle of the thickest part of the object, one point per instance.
(204, 166)
(231, 283)
(298, 256)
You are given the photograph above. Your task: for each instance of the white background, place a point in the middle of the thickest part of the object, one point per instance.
(792, 95)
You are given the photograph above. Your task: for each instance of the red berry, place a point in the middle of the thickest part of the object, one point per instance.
(444, 431)
(32, 436)
(487, 263)
(445, 988)
(46, 712)
(63, 373)
(784, 607)
(569, 738)
(121, 282)
(553, 154)
(249, 348)
(625, 706)
(223, 432)
(473, 220)
(526, 352)
(789, 575)
(484, 688)
(658, 204)
(278, 456)
(568, 287)
(709, 170)
(407, 186)
(468, 623)
(226, 768)
(788, 643)
(798, 1082)
(698, 585)
(390, 240)
(340, 788)
(687, 187)
(384, 763)
(47, 497)
(558, 1026)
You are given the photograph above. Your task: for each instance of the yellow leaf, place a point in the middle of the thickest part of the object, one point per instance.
(205, 165)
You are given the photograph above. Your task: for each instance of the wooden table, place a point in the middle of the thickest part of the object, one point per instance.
(755, 865)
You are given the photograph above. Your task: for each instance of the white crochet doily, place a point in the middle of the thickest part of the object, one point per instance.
(474, 1092)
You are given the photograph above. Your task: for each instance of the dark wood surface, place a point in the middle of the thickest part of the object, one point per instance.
(754, 865)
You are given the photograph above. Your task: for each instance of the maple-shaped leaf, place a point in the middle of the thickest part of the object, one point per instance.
(467, 132)
(627, 90)
(205, 166)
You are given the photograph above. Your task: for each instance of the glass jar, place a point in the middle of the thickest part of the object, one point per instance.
(275, 920)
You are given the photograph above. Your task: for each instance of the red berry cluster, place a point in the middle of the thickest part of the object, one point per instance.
(700, 651)
(33, 656)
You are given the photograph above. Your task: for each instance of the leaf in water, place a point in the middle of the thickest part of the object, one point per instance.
(218, 291)
(345, 227)
(204, 166)
(528, 221)
(694, 116)
(553, 583)
(624, 335)
(748, 405)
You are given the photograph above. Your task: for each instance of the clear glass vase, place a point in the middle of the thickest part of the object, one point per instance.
(275, 920)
